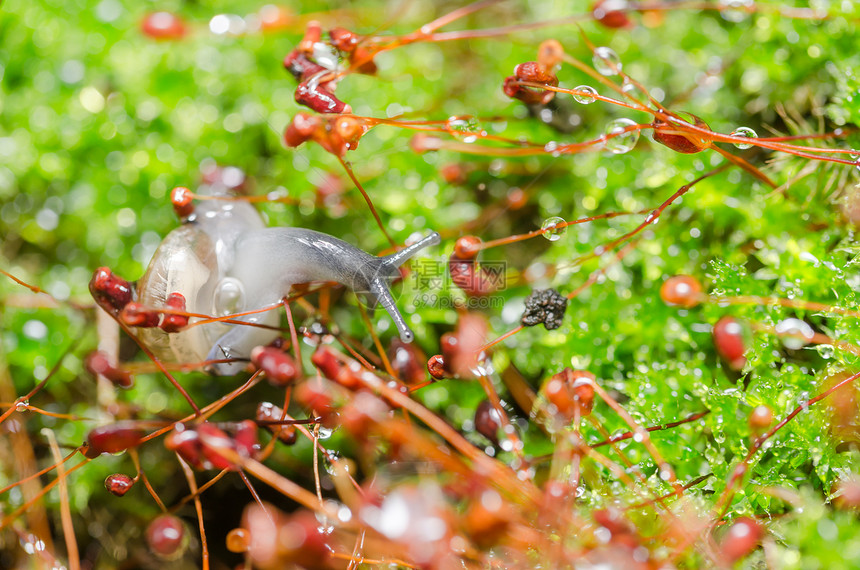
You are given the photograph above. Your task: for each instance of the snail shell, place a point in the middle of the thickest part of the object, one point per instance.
(224, 260)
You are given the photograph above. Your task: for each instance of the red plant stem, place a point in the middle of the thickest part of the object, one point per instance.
(741, 469)
(659, 427)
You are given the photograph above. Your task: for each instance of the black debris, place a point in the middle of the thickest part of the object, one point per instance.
(545, 306)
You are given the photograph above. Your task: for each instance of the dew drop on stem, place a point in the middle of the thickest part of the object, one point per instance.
(553, 228)
(620, 140)
(606, 61)
(586, 94)
(795, 334)
(744, 132)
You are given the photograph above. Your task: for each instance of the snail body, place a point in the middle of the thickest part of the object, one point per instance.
(224, 260)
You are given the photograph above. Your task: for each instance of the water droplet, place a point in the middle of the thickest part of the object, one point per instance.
(465, 127)
(826, 351)
(553, 228)
(586, 95)
(22, 405)
(744, 132)
(325, 433)
(326, 55)
(795, 334)
(621, 140)
(736, 10)
(229, 297)
(606, 61)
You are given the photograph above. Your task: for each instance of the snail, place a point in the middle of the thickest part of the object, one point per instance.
(224, 260)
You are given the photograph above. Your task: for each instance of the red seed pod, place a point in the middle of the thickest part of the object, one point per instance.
(673, 135)
(315, 396)
(238, 540)
(741, 539)
(326, 361)
(118, 484)
(422, 142)
(111, 292)
(488, 421)
(246, 439)
(167, 537)
(172, 322)
(214, 442)
(268, 412)
(163, 26)
(183, 201)
(279, 367)
(612, 13)
(301, 128)
(113, 438)
(532, 72)
(349, 376)
(300, 67)
(488, 518)
(99, 363)
(136, 315)
(760, 418)
(467, 247)
(454, 173)
(319, 98)
(550, 54)
(473, 279)
(406, 360)
(436, 367)
(570, 391)
(343, 39)
(313, 34)
(681, 290)
(730, 342)
(186, 443)
(292, 541)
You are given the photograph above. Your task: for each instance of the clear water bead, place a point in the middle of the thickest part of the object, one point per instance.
(744, 132)
(587, 94)
(553, 228)
(621, 141)
(794, 333)
(736, 10)
(606, 61)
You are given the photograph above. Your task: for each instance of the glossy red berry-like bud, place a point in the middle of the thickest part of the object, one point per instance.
(326, 361)
(436, 367)
(301, 128)
(118, 484)
(163, 26)
(167, 537)
(111, 292)
(467, 247)
(681, 290)
(760, 418)
(673, 135)
(171, 322)
(533, 72)
(730, 342)
(136, 315)
(550, 54)
(315, 397)
(113, 438)
(319, 98)
(407, 361)
(343, 39)
(183, 201)
(611, 13)
(99, 363)
(279, 367)
(488, 421)
(185, 442)
(238, 540)
(741, 539)
(214, 442)
(570, 391)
